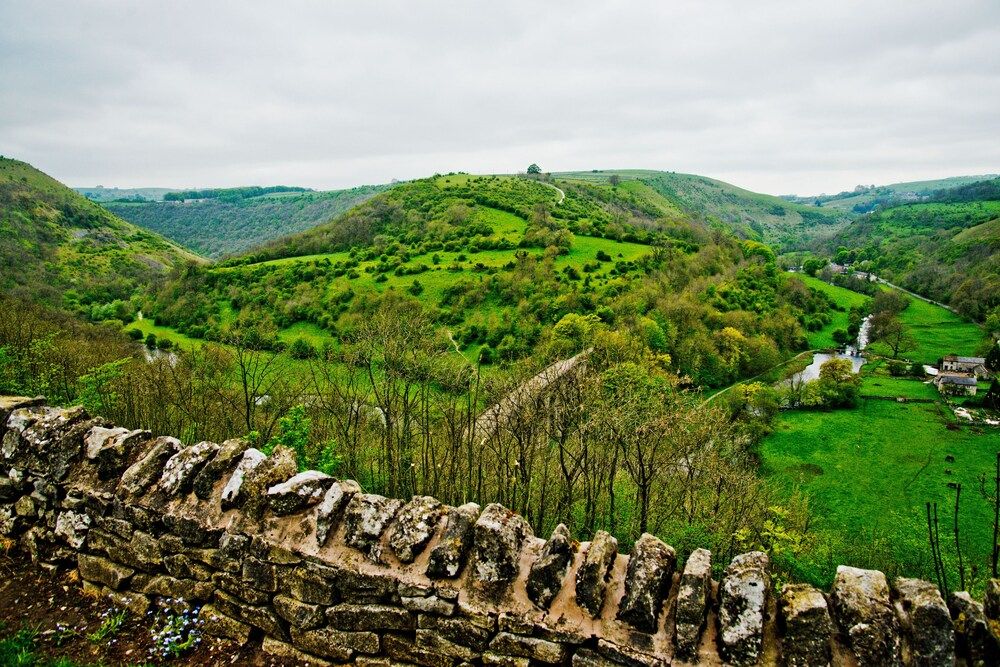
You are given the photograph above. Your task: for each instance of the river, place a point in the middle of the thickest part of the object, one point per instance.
(851, 352)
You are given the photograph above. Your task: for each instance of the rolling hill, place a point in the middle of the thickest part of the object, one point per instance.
(946, 248)
(510, 268)
(59, 248)
(782, 224)
(863, 199)
(101, 194)
(231, 222)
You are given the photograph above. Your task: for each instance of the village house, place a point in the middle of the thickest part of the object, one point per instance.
(951, 383)
(954, 363)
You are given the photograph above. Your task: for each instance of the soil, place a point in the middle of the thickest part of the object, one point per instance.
(41, 599)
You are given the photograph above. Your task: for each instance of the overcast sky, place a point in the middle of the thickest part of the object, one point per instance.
(778, 97)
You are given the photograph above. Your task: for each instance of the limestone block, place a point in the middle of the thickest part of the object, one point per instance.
(448, 556)
(805, 619)
(925, 621)
(972, 631)
(298, 614)
(103, 571)
(647, 582)
(180, 470)
(299, 492)
(499, 536)
(331, 508)
(862, 610)
(142, 474)
(692, 602)
(231, 492)
(592, 577)
(365, 521)
(369, 617)
(414, 527)
(545, 579)
(335, 644)
(225, 460)
(217, 624)
(541, 650)
(743, 607)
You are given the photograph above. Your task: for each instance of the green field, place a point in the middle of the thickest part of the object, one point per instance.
(148, 326)
(845, 298)
(454, 266)
(938, 332)
(868, 472)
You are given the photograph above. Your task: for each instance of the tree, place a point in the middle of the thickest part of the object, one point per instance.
(838, 384)
(614, 180)
(151, 341)
(812, 265)
(992, 398)
(534, 169)
(993, 358)
(888, 329)
(889, 301)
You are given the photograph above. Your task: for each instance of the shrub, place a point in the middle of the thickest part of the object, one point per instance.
(486, 355)
(301, 349)
(134, 334)
(897, 368)
(151, 341)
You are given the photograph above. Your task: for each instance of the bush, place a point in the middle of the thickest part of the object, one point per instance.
(486, 355)
(603, 256)
(151, 341)
(301, 349)
(134, 334)
(898, 368)
(164, 344)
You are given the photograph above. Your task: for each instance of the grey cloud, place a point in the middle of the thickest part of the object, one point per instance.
(777, 96)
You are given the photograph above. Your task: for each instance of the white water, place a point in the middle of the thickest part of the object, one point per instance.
(851, 352)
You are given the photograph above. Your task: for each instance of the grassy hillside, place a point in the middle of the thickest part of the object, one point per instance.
(772, 220)
(866, 198)
(227, 225)
(867, 487)
(497, 262)
(60, 248)
(947, 249)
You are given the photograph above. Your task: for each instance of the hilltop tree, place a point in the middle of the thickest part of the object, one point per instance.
(534, 169)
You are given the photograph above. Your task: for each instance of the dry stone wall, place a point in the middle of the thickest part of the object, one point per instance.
(319, 569)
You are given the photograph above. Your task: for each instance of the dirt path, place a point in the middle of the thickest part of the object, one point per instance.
(496, 414)
(454, 342)
(562, 195)
(736, 384)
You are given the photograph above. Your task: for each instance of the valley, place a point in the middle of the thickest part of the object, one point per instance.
(373, 341)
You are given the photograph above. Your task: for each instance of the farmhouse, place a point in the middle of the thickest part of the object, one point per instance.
(954, 363)
(956, 384)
